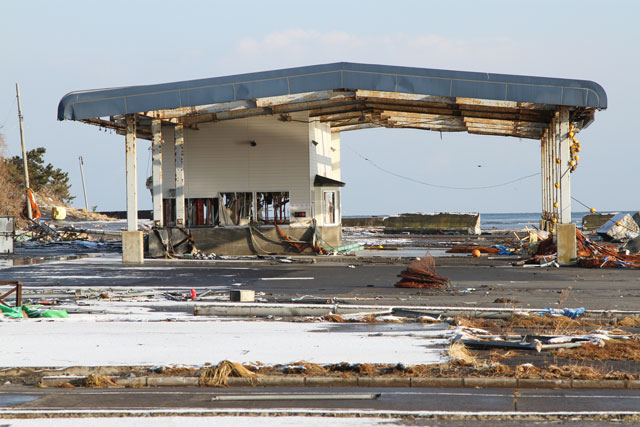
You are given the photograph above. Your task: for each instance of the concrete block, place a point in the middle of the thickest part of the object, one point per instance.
(566, 239)
(431, 223)
(490, 382)
(279, 381)
(7, 234)
(58, 212)
(384, 382)
(132, 247)
(242, 382)
(363, 221)
(330, 382)
(636, 218)
(131, 382)
(172, 381)
(591, 222)
(599, 384)
(626, 230)
(633, 384)
(242, 296)
(436, 382)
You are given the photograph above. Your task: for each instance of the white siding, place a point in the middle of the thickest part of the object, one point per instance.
(219, 158)
(335, 156)
(168, 161)
(320, 159)
(323, 157)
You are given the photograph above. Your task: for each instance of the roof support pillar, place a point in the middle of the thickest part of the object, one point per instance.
(132, 240)
(566, 231)
(564, 170)
(556, 186)
(179, 151)
(156, 153)
(132, 174)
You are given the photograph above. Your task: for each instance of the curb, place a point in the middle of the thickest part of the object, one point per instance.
(225, 308)
(400, 382)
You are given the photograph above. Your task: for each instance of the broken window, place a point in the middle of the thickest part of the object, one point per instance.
(202, 212)
(329, 203)
(273, 207)
(169, 212)
(236, 208)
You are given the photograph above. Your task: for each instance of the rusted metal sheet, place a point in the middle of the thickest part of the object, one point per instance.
(345, 128)
(405, 96)
(303, 98)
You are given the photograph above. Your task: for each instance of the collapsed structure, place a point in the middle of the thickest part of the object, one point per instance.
(250, 163)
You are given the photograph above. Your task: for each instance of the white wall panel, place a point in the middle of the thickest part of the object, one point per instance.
(219, 157)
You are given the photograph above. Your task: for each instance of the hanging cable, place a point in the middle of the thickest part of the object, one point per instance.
(435, 185)
(592, 210)
(9, 112)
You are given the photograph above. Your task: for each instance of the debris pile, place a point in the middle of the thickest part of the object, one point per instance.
(422, 274)
(590, 254)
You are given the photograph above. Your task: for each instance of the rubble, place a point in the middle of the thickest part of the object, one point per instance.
(620, 227)
(590, 254)
(422, 274)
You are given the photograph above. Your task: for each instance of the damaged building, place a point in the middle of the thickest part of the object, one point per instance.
(250, 163)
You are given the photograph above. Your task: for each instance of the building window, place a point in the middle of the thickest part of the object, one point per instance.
(236, 208)
(272, 207)
(202, 212)
(329, 202)
(169, 212)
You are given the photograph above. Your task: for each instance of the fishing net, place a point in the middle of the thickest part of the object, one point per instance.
(422, 274)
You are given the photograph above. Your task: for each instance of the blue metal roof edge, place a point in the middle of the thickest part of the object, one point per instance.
(81, 105)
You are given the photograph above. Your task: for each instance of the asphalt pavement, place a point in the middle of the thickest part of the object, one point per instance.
(387, 400)
(475, 283)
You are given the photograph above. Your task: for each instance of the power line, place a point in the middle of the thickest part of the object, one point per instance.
(588, 207)
(9, 113)
(436, 185)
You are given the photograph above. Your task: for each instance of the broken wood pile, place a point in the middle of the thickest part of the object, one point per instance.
(422, 274)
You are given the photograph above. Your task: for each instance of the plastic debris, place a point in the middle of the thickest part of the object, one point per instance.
(31, 312)
(571, 313)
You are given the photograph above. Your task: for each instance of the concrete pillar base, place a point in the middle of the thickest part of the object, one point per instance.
(132, 247)
(566, 240)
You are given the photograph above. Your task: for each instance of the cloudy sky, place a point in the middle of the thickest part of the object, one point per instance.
(52, 48)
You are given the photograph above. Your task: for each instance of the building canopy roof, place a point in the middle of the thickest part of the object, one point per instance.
(352, 96)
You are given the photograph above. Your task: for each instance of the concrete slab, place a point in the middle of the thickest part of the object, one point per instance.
(567, 250)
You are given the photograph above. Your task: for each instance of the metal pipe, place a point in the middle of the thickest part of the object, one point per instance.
(315, 396)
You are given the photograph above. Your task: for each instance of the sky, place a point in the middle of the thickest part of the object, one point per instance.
(52, 48)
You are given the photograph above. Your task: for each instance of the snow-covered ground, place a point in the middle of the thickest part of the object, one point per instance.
(61, 343)
(192, 421)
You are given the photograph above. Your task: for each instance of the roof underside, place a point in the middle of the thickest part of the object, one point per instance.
(351, 96)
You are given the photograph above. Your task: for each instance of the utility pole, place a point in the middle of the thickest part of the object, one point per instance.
(24, 154)
(84, 189)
